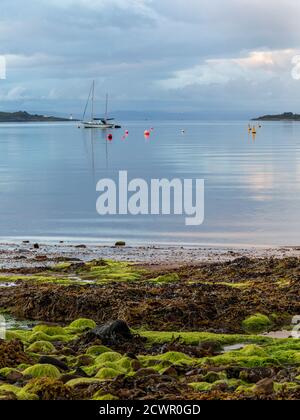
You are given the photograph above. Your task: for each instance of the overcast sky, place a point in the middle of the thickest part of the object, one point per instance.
(222, 57)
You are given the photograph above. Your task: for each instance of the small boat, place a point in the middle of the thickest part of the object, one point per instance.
(102, 123)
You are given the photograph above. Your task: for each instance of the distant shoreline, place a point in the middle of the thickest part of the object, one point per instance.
(286, 116)
(23, 116)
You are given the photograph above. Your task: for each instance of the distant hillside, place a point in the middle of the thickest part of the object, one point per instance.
(22, 116)
(287, 116)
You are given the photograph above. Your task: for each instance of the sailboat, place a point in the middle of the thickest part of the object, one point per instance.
(103, 123)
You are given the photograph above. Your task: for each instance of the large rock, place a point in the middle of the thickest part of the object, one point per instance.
(114, 332)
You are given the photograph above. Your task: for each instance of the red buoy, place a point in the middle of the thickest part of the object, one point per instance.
(126, 132)
(146, 133)
(109, 137)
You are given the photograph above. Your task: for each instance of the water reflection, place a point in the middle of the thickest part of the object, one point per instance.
(252, 183)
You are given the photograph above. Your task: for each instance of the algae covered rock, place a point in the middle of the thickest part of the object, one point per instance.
(44, 347)
(166, 278)
(82, 382)
(107, 373)
(49, 389)
(20, 393)
(82, 324)
(41, 336)
(212, 377)
(10, 374)
(99, 396)
(97, 350)
(49, 330)
(108, 357)
(42, 371)
(256, 324)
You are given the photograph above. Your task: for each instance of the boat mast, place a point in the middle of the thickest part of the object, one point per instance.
(93, 98)
(106, 108)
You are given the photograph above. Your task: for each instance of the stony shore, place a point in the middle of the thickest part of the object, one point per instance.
(202, 321)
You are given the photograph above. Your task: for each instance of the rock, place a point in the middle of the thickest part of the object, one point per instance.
(265, 386)
(136, 365)
(81, 246)
(210, 348)
(14, 377)
(68, 377)
(36, 246)
(145, 372)
(255, 375)
(116, 331)
(120, 244)
(84, 360)
(47, 360)
(171, 371)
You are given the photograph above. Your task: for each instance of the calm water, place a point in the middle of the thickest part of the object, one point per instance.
(48, 175)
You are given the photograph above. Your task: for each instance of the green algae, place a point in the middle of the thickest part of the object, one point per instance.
(165, 279)
(284, 353)
(44, 347)
(18, 335)
(201, 386)
(108, 357)
(20, 393)
(106, 373)
(42, 371)
(82, 324)
(109, 271)
(172, 357)
(48, 389)
(256, 324)
(106, 397)
(49, 330)
(209, 386)
(212, 377)
(286, 386)
(82, 381)
(40, 336)
(194, 338)
(36, 278)
(97, 350)
(5, 372)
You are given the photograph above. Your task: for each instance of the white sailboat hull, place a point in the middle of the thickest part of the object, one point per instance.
(98, 125)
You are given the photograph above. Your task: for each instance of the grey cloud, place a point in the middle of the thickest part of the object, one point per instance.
(55, 48)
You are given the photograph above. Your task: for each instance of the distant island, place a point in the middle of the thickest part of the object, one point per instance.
(23, 116)
(286, 116)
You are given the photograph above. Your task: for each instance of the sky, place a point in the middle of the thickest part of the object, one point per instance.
(202, 58)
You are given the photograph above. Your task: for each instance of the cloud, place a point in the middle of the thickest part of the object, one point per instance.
(256, 66)
(15, 94)
(152, 53)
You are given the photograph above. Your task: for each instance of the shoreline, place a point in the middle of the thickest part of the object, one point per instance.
(24, 254)
(166, 322)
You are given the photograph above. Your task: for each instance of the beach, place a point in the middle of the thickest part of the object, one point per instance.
(122, 322)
